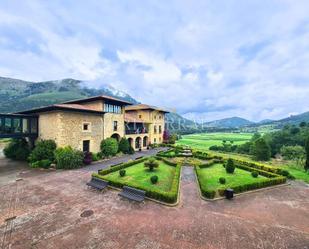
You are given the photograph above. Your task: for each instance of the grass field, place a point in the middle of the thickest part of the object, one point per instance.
(141, 176)
(209, 177)
(203, 141)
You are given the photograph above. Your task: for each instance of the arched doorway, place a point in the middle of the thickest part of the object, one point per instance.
(138, 143)
(130, 140)
(116, 136)
(145, 141)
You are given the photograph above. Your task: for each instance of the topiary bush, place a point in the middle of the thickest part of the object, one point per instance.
(151, 164)
(230, 167)
(109, 147)
(255, 174)
(222, 180)
(44, 149)
(122, 172)
(17, 149)
(154, 179)
(124, 146)
(68, 158)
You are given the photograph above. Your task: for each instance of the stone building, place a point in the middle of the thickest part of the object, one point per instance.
(84, 123)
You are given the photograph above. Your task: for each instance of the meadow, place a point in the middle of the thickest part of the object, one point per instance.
(202, 141)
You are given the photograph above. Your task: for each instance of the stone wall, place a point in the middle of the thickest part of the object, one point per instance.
(66, 128)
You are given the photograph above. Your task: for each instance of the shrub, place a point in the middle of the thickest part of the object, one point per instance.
(109, 147)
(45, 164)
(124, 146)
(122, 172)
(67, 158)
(230, 167)
(209, 193)
(151, 164)
(44, 149)
(95, 157)
(35, 165)
(87, 158)
(154, 179)
(255, 174)
(285, 172)
(222, 180)
(131, 150)
(17, 149)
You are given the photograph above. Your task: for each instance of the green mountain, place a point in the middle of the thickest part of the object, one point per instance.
(292, 120)
(17, 95)
(234, 122)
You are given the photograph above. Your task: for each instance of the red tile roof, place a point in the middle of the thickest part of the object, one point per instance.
(143, 107)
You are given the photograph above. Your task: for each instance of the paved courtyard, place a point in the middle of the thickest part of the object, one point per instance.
(49, 209)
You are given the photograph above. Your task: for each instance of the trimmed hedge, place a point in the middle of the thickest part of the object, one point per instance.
(273, 179)
(255, 185)
(168, 197)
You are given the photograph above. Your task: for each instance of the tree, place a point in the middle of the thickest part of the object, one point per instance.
(307, 154)
(302, 124)
(230, 167)
(172, 139)
(151, 164)
(261, 150)
(109, 147)
(124, 146)
(296, 153)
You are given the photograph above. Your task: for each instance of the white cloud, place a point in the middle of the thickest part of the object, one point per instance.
(249, 59)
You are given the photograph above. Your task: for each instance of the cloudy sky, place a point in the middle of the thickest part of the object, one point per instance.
(206, 59)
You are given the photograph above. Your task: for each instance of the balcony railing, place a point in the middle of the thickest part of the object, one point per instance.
(128, 132)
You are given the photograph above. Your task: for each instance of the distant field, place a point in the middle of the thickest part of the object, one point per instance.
(203, 141)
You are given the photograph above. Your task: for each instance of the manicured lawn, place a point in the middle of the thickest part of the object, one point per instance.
(209, 177)
(203, 141)
(141, 176)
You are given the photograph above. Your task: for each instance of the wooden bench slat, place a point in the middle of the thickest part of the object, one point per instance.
(133, 194)
(97, 183)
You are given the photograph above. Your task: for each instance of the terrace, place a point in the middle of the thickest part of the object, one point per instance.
(18, 126)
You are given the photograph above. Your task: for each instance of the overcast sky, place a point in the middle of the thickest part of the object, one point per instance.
(206, 59)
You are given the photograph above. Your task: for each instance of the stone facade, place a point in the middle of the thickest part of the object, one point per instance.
(154, 121)
(66, 128)
(84, 124)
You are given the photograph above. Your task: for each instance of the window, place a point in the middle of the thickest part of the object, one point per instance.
(155, 140)
(139, 116)
(115, 125)
(86, 145)
(160, 117)
(155, 117)
(112, 108)
(160, 130)
(86, 126)
(159, 139)
(155, 129)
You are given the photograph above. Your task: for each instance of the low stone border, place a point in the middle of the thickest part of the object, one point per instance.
(239, 194)
(157, 201)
